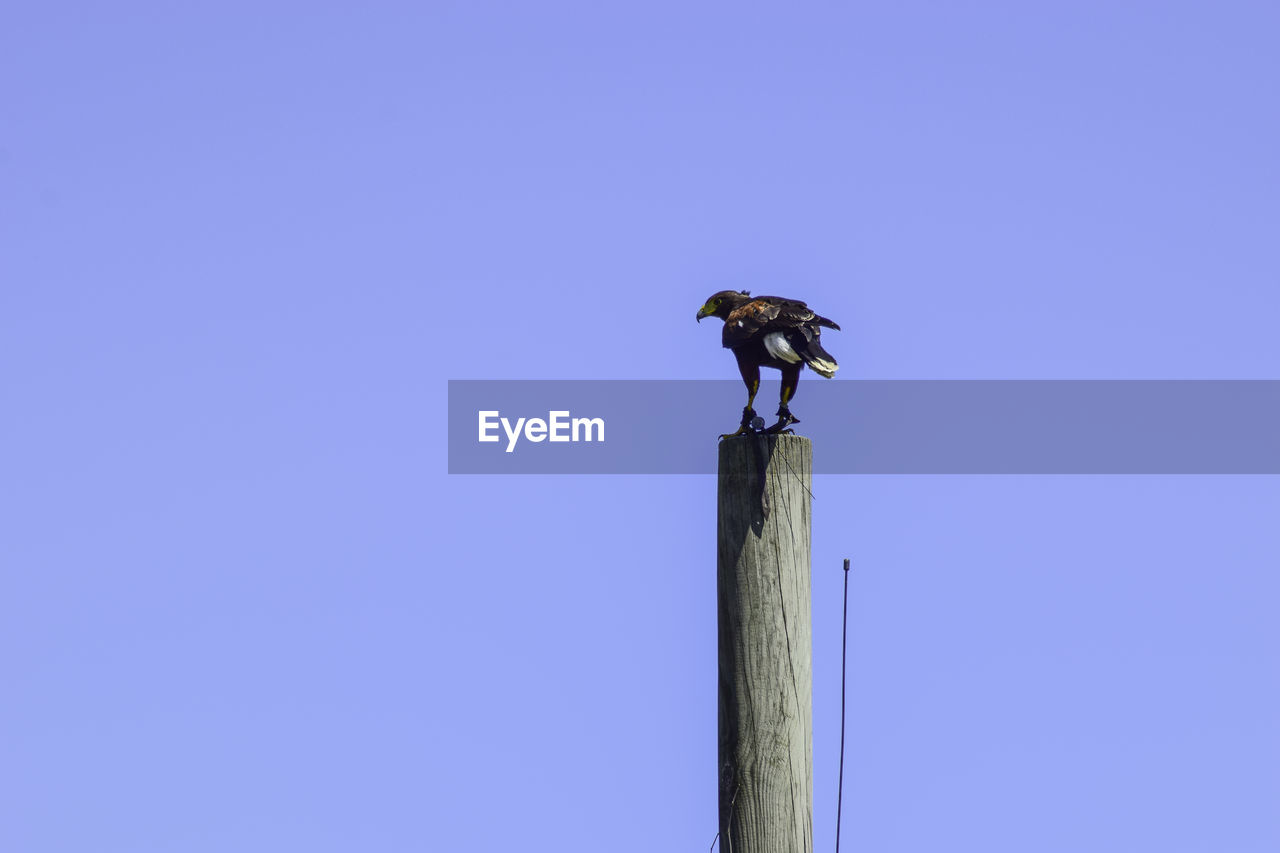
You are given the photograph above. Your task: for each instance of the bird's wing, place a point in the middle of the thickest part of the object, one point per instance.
(790, 312)
(744, 321)
(793, 313)
(767, 313)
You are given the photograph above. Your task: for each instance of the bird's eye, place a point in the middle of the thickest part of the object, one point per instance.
(715, 303)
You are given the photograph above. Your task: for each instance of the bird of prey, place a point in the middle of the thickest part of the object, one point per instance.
(768, 331)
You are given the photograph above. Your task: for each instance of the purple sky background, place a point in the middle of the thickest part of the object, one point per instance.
(242, 605)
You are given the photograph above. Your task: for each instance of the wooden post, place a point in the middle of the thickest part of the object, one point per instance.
(766, 647)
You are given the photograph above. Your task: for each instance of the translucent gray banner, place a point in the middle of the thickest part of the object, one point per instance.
(872, 427)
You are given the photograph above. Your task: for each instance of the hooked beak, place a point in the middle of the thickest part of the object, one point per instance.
(703, 312)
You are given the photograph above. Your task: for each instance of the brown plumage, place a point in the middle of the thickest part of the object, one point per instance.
(770, 331)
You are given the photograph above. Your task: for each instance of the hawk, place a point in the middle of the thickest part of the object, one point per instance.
(769, 331)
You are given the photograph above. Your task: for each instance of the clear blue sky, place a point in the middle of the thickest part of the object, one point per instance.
(242, 606)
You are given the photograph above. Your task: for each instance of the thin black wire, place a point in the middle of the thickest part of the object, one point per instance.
(797, 476)
(732, 801)
(844, 652)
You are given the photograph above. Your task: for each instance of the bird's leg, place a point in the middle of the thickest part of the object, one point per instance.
(748, 413)
(785, 418)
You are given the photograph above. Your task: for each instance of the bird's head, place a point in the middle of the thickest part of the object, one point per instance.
(722, 303)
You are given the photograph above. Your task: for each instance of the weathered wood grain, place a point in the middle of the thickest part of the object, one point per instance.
(765, 644)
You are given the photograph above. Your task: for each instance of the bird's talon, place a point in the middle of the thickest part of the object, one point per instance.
(751, 424)
(785, 419)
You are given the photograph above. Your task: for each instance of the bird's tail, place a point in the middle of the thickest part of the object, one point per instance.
(819, 359)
